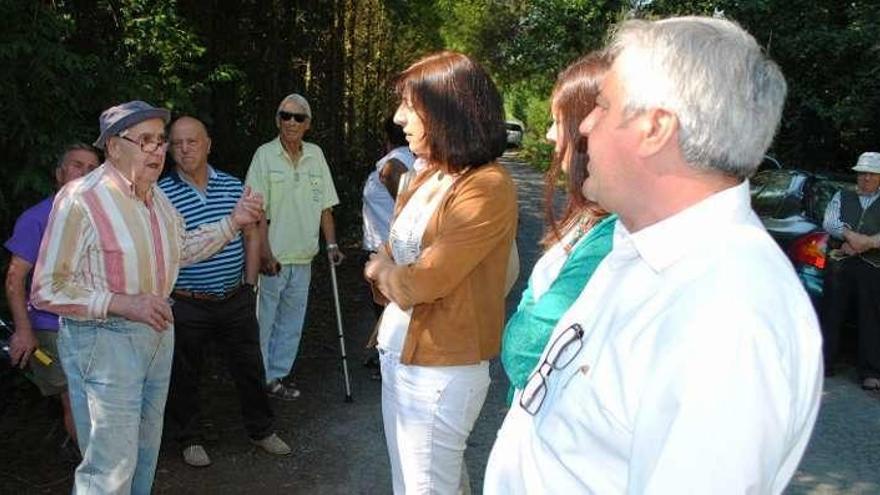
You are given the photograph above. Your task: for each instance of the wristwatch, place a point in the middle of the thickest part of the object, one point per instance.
(249, 286)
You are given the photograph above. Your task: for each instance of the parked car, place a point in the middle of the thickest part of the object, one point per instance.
(515, 130)
(791, 204)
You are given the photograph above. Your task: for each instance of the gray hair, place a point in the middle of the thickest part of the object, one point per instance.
(726, 93)
(74, 147)
(299, 100)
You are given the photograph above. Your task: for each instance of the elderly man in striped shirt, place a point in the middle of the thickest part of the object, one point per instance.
(107, 264)
(214, 299)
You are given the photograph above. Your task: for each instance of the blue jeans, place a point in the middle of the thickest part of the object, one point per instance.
(117, 374)
(282, 309)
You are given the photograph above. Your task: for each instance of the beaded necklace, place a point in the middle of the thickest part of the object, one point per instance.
(581, 227)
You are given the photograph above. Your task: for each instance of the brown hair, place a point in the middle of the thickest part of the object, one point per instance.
(574, 97)
(460, 108)
(78, 146)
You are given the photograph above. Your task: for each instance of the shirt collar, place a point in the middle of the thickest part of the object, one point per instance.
(123, 184)
(283, 152)
(664, 243)
(176, 176)
(871, 196)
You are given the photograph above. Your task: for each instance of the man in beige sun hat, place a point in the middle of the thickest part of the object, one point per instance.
(852, 279)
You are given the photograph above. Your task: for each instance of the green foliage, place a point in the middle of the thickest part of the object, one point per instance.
(157, 45)
(230, 63)
(830, 56)
(533, 108)
(43, 83)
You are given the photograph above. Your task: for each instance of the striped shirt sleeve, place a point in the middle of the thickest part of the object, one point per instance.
(57, 285)
(831, 222)
(201, 243)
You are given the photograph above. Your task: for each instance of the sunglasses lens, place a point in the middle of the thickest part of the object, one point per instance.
(299, 117)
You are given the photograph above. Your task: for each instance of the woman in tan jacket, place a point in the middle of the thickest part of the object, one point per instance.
(443, 271)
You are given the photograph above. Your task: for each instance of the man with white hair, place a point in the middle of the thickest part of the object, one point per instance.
(691, 362)
(852, 277)
(294, 178)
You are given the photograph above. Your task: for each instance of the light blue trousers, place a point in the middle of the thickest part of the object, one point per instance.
(117, 374)
(282, 309)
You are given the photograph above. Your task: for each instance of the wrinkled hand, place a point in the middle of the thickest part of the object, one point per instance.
(377, 266)
(859, 243)
(335, 256)
(848, 250)
(155, 311)
(248, 210)
(269, 265)
(21, 345)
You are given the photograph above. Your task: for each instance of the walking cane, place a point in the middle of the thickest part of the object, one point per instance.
(341, 335)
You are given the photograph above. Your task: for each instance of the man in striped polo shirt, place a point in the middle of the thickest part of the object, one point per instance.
(214, 299)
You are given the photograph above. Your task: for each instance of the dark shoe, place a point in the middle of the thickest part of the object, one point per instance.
(871, 383)
(279, 390)
(372, 361)
(195, 456)
(273, 445)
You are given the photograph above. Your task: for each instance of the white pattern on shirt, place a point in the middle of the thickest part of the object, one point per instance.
(405, 240)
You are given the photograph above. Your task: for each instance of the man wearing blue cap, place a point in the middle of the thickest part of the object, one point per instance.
(107, 264)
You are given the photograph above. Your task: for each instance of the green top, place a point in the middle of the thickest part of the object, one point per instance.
(294, 196)
(529, 329)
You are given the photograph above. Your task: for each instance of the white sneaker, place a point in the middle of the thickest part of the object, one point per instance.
(195, 456)
(273, 445)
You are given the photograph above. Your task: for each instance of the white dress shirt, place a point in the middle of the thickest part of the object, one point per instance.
(378, 204)
(700, 369)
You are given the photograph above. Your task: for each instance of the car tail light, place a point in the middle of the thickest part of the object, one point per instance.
(809, 249)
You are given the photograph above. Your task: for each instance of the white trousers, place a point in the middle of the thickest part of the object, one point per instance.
(428, 413)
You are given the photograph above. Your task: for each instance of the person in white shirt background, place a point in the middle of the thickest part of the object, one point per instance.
(380, 191)
(691, 362)
(380, 194)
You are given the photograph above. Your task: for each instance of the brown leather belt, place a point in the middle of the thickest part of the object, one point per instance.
(206, 296)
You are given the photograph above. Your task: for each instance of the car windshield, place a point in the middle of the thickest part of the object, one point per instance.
(777, 193)
(820, 193)
(785, 193)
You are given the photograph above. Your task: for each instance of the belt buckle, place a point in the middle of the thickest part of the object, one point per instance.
(207, 296)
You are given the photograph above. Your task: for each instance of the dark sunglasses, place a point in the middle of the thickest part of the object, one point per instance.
(285, 116)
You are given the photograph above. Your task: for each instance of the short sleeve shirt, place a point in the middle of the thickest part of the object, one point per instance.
(222, 272)
(25, 243)
(294, 195)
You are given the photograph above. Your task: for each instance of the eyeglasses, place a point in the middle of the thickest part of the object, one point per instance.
(285, 116)
(562, 352)
(148, 144)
